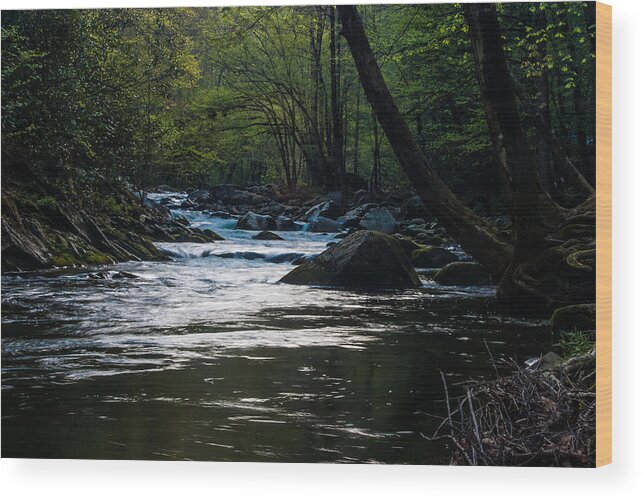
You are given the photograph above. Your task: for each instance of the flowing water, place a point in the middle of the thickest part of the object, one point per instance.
(208, 357)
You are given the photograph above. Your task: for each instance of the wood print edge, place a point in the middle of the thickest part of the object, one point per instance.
(603, 234)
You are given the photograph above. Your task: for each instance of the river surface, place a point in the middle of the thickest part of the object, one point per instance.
(208, 357)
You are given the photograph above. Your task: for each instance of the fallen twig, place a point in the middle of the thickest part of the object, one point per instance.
(529, 418)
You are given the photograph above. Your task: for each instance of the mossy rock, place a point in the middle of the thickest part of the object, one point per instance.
(47, 204)
(266, 235)
(254, 221)
(430, 239)
(97, 258)
(551, 361)
(114, 207)
(211, 235)
(61, 253)
(365, 259)
(44, 226)
(432, 257)
(574, 318)
(63, 260)
(463, 274)
(434, 240)
(408, 244)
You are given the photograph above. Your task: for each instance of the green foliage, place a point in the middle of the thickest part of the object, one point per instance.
(73, 82)
(193, 97)
(47, 204)
(551, 47)
(112, 206)
(575, 343)
(97, 258)
(205, 135)
(64, 259)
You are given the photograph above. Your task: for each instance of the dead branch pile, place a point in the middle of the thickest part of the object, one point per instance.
(529, 418)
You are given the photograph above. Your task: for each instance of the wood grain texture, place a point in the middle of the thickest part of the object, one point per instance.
(603, 234)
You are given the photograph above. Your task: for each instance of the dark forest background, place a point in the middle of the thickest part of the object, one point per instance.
(198, 97)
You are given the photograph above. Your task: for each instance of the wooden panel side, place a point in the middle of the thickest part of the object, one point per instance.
(603, 234)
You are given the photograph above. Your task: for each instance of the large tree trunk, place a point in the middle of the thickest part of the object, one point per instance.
(553, 247)
(531, 205)
(476, 236)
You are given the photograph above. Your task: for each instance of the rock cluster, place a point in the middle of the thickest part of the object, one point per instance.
(41, 231)
(400, 214)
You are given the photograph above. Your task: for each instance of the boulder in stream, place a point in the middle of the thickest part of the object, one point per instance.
(266, 235)
(365, 259)
(253, 221)
(379, 219)
(329, 209)
(232, 195)
(122, 274)
(323, 224)
(408, 245)
(429, 239)
(199, 195)
(286, 223)
(352, 218)
(432, 257)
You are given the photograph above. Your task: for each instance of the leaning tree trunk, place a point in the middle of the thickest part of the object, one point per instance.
(554, 257)
(476, 236)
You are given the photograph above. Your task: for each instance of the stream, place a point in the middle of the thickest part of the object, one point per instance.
(208, 357)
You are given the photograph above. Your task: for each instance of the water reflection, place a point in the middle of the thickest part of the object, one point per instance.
(210, 358)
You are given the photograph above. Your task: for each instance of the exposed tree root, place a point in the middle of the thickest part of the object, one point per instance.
(562, 272)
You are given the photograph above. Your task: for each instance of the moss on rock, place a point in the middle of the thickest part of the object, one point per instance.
(574, 318)
(365, 259)
(408, 244)
(97, 258)
(432, 257)
(266, 235)
(44, 225)
(64, 260)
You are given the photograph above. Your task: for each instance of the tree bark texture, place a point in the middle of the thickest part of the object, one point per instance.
(553, 260)
(476, 236)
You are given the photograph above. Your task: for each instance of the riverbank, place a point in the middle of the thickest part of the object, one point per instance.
(64, 223)
(542, 413)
